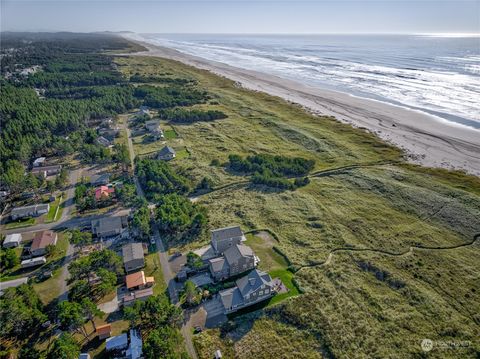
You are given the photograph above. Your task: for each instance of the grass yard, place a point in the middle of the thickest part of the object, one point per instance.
(154, 269)
(20, 223)
(53, 214)
(181, 154)
(376, 297)
(170, 134)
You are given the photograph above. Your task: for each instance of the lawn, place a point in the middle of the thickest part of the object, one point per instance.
(53, 215)
(170, 134)
(181, 154)
(154, 269)
(361, 304)
(20, 223)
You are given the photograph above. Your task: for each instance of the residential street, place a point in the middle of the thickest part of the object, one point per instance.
(186, 330)
(13, 283)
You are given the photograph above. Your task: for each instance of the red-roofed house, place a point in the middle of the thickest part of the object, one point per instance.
(104, 331)
(138, 281)
(103, 192)
(41, 241)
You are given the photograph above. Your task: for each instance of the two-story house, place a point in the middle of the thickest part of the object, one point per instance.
(236, 259)
(253, 288)
(224, 238)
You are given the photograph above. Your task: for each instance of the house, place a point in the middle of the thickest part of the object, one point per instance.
(109, 226)
(236, 259)
(109, 133)
(84, 356)
(166, 154)
(103, 141)
(103, 193)
(100, 180)
(142, 294)
(133, 257)
(134, 350)
(144, 111)
(117, 342)
(104, 331)
(46, 171)
(41, 241)
(29, 211)
(153, 126)
(39, 162)
(138, 280)
(12, 240)
(33, 262)
(253, 288)
(223, 238)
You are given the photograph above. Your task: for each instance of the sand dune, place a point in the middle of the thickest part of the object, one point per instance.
(426, 140)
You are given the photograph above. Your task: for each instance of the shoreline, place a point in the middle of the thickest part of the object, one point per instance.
(426, 140)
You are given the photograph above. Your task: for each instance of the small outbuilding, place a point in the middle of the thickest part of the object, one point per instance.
(12, 240)
(104, 331)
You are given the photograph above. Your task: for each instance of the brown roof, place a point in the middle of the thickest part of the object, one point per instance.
(104, 329)
(135, 279)
(43, 239)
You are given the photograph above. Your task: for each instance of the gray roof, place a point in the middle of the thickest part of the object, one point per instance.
(134, 351)
(104, 177)
(218, 264)
(21, 211)
(252, 281)
(166, 151)
(47, 168)
(116, 342)
(227, 232)
(152, 125)
(230, 297)
(132, 251)
(107, 224)
(234, 253)
(13, 238)
(103, 141)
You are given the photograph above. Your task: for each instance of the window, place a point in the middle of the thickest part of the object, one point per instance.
(260, 293)
(267, 291)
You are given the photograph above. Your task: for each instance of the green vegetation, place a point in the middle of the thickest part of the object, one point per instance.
(170, 134)
(75, 87)
(164, 97)
(95, 275)
(159, 323)
(21, 311)
(271, 170)
(141, 221)
(381, 204)
(181, 115)
(158, 178)
(178, 216)
(64, 347)
(53, 214)
(19, 223)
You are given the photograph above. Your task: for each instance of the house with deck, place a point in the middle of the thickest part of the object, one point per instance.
(138, 280)
(153, 127)
(251, 289)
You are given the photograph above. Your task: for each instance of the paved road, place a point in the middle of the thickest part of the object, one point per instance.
(13, 283)
(162, 254)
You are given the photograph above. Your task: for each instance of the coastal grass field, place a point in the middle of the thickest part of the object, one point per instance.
(384, 250)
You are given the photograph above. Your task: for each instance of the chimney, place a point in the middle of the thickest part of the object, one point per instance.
(252, 281)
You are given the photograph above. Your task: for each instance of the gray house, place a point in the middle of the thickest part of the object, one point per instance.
(166, 154)
(224, 238)
(45, 171)
(29, 211)
(236, 259)
(109, 226)
(255, 287)
(133, 257)
(153, 127)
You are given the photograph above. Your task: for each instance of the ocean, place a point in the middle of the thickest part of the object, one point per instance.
(439, 75)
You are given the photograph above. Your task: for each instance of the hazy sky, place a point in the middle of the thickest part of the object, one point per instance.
(229, 16)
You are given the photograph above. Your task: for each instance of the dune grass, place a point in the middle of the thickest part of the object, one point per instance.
(362, 303)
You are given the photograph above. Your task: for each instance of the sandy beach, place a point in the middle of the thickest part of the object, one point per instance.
(425, 139)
